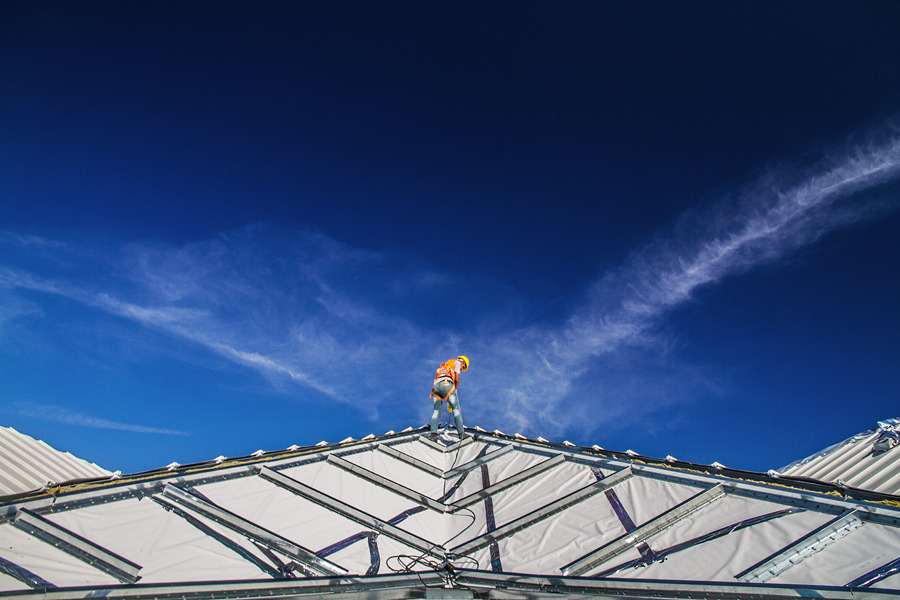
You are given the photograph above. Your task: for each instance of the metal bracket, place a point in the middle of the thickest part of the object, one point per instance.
(798, 551)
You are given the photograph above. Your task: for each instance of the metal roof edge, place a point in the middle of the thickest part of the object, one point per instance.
(455, 583)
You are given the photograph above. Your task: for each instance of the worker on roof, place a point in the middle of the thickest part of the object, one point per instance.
(446, 380)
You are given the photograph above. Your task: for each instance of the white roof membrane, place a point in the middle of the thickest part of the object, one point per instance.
(492, 507)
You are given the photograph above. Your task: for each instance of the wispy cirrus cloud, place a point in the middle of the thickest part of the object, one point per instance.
(357, 326)
(757, 225)
(59, 414)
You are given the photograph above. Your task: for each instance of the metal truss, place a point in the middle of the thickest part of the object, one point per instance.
(461, 585)
(652, 527)
(799, 550)
(410, 460)
(540, 514)
(77, 546)
(252, 531)
(388, 484)
(477, 462)
(351, 512)
(508, 482)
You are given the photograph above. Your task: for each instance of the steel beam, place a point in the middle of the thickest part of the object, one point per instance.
(477, 462)
(799, 550)
(75, 545)
(410, 460)
(541, 513)
(252, 531)
(508, 482)
(386, 483)
(641, 534)
(351, 512)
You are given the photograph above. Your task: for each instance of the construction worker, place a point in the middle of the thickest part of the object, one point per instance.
(446, 380)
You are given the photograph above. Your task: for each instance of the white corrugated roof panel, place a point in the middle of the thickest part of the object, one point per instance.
(28, 464)
(869, 460)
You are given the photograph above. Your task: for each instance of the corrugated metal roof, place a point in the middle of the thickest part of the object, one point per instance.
(28, 464)
(488, 511)
(869, 460)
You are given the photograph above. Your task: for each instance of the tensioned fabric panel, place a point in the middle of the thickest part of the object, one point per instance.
(50, 563)
(722, 558)
(830, 565)
(165, 545)
(645, 498)
(278, 510)
(540, 490)
(398, 471)
(338, 483)
(556, 541)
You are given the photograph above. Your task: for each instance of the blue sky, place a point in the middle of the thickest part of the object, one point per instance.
(666, 227)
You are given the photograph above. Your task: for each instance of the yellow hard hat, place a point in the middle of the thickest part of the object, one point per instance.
(465, 360)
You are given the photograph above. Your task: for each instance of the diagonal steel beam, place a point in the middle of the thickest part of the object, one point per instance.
(252, 531)
(508, 482)
(351, 512)
(652, 527)
(541, 513)
(410, 460)
(477, 462)
(796, 552)
(388, 484)
(75, 545)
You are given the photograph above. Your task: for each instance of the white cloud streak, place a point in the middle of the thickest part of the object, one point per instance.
(305, 309)
(58, 414)
(766, 222)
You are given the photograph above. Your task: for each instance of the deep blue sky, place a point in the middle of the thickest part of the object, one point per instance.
(668, 227)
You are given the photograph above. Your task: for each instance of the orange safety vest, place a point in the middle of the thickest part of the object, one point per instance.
(447, 370)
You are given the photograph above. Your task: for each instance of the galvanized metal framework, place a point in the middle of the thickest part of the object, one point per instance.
(493, 515)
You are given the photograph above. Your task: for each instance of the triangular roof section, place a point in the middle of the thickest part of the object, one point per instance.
(28, 464)
(869, 460)
(492, 515)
